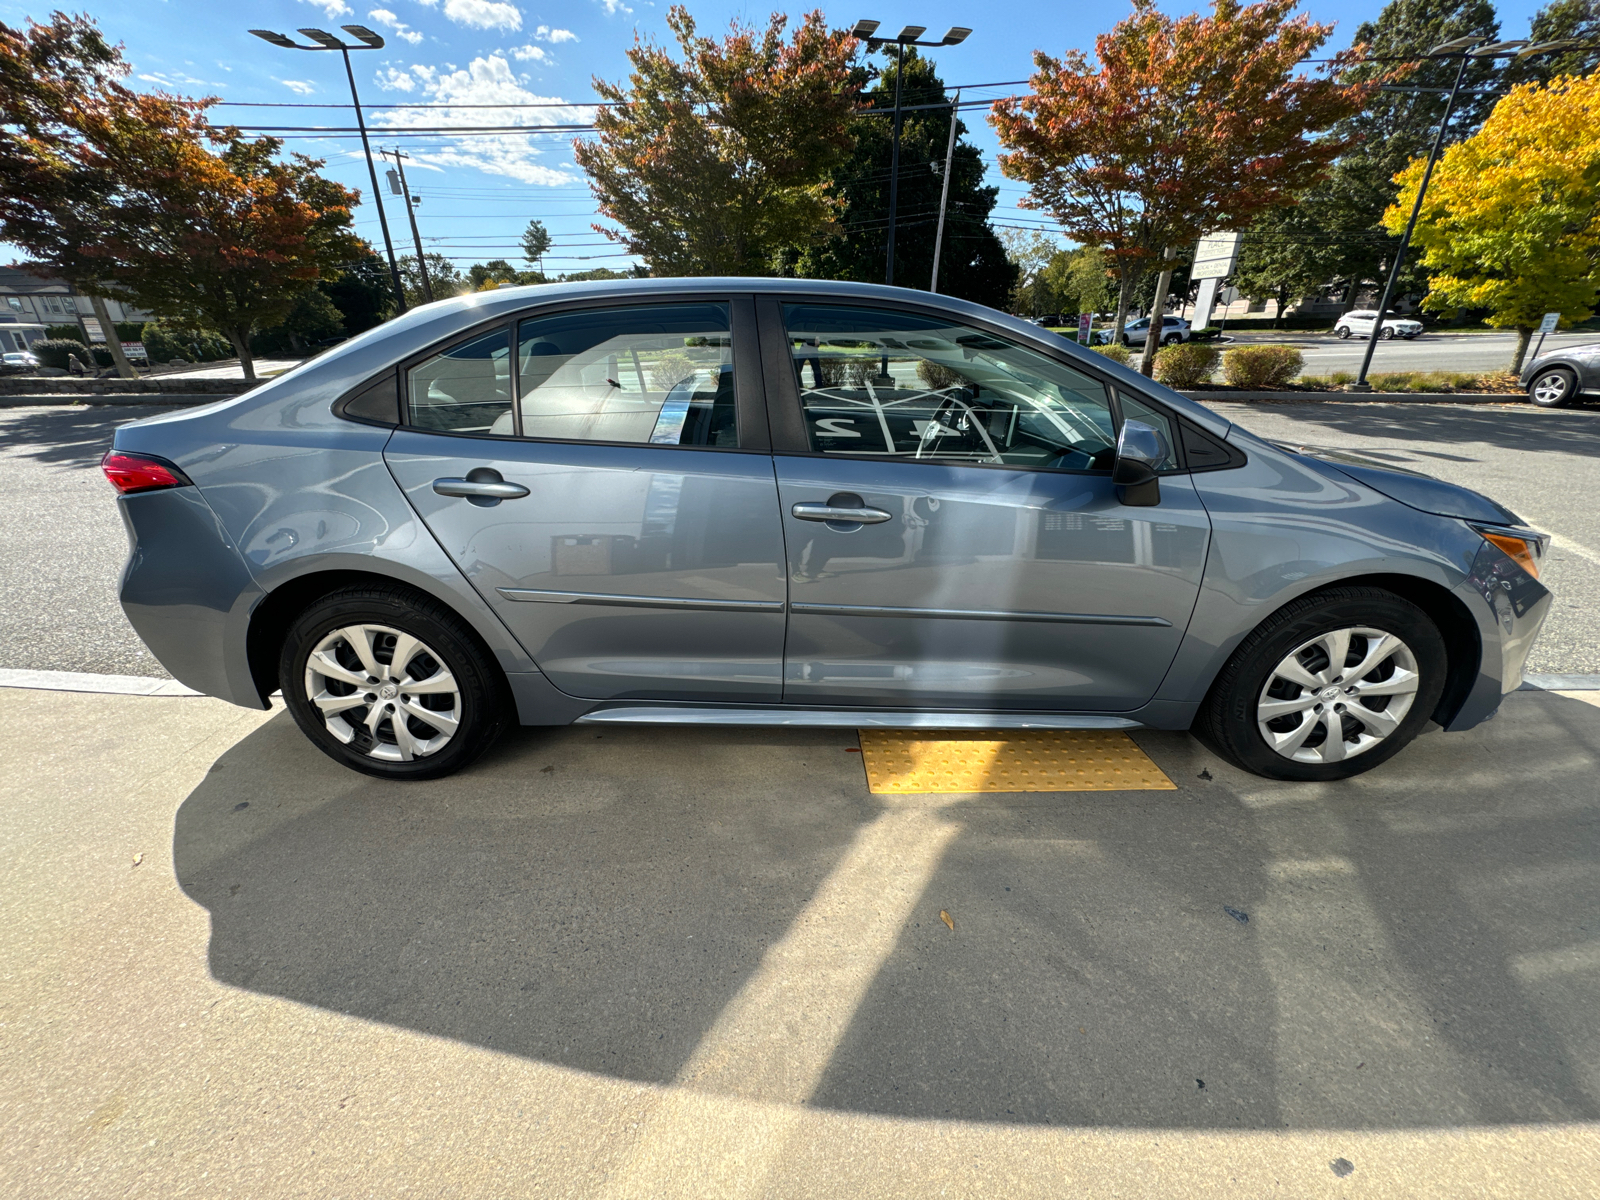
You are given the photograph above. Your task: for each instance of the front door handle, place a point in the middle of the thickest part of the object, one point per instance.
(488, 488)
(861, 515)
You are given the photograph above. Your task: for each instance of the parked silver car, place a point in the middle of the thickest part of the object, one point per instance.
(786, 502)
(1137, 332)
(1562, 376)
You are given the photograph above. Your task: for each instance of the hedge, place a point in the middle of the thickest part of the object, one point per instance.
(1186, 365)
(1262, 367)
(1116, 353)
(55, 352)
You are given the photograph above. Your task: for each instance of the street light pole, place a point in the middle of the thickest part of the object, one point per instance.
(906, 37)
(944, 191)
(1466, 48)
(371, 41)
(411, 215)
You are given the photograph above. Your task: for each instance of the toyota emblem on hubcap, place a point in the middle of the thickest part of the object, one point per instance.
(388, 691)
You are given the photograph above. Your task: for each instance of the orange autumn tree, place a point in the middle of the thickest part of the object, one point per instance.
(136, 196)
(1186, 126)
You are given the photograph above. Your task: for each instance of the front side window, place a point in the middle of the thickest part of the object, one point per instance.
(659, 374)
(466, 389)
(900, 385)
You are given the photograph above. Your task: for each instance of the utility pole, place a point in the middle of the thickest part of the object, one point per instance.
(944, 192)
(411, 214)
(371, 41)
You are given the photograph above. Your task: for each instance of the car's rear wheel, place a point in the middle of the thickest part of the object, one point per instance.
(1552, 388)
(391, 683)
(1328, 687)
(1172, 339)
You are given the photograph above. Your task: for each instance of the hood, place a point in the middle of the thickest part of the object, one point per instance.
(1411, 488)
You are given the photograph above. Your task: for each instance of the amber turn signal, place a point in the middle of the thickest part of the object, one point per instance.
(1518, 550)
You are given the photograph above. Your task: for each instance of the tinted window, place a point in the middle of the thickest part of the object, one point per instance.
(897, 385)
(655, 374)
(467, 389)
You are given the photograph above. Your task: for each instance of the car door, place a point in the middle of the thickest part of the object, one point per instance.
(601, 474)
(954, 538)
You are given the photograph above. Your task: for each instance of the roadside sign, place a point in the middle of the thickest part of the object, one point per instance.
(135, 350)
(1215, 256)
(1551, 320)
(1085, 321)
(92, 326)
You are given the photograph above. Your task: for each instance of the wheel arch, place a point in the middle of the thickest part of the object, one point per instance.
(276, 611)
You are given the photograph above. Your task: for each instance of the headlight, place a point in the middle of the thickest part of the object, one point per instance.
(1525, 549)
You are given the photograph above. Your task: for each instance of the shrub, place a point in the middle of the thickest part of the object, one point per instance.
(165, 342)
(1186, 365)
(55, 352)
(1116, 353)
(65, 333)
(1261, 367)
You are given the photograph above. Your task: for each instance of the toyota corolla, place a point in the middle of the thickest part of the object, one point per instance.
(785, 502)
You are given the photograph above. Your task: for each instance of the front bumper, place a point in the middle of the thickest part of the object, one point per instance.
(1510, 606)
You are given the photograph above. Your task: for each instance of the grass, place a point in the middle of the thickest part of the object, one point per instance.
(1421, 381)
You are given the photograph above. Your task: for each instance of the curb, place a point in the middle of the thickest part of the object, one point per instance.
(1359, 397)
(142, 685)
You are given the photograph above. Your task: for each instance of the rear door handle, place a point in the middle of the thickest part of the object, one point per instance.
(832, 512)
(479, 489)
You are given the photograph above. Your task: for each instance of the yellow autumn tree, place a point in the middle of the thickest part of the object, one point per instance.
(1511, 220)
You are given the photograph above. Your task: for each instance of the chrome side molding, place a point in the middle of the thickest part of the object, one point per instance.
(684, 714)
(537, 596)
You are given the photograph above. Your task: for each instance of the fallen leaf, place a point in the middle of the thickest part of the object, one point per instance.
(852, 749)
(138, 858)
(945, 917)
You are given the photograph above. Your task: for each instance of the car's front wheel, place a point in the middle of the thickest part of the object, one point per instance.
(1387, 335)
(1552, 388)
(1344, 333)
(389, 682)
(1328, 687)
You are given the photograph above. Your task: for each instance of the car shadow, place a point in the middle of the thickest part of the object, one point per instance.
(1412, 948)
(70, 435)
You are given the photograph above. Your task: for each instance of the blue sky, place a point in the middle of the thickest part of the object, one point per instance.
(478, 193)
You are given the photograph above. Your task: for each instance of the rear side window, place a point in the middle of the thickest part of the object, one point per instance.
(466, 389)
(659, 374)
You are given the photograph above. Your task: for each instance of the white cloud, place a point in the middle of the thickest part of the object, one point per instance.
(176, 81)
(487, 80)
(531, 53)
(333, 9)
(479, 14)
(613, 7)
(395, 25)
(554, 36)
(299, 87)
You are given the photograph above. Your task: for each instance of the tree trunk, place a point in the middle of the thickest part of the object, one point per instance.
(1524, 336)
(1124, 294)
(1158, 313)
(113, 342)
(241, 343)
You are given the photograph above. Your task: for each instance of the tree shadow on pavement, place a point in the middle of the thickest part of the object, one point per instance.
(69, 435)
(1412, 948)
(1571, 431)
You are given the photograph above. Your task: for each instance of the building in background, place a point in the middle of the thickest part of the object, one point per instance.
(30, 304)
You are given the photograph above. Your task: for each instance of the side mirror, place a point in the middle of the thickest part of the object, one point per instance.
(1141, 449)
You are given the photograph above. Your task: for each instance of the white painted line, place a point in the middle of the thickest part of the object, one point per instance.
(81, 681)
(1572, 547)
(1562, 683)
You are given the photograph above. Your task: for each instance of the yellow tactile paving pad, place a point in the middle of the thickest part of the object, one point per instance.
(1018, 760)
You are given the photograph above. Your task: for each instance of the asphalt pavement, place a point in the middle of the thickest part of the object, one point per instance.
(1447, 351)
(62, 545)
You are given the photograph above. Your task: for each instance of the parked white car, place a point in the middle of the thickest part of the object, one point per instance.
(1134, 333)
(1359, 322)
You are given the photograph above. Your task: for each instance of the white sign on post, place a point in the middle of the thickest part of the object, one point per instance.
(1551, 320)
(1215, 256)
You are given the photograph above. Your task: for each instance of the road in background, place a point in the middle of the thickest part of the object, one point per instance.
(1325, 354)
(62, 545)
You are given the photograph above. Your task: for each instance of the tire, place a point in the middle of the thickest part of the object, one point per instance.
(1387, 335)
(1231, 722)
(1344, 333)
(1553, 388)
(1125, 341)
(1173, 339)
(456, 681)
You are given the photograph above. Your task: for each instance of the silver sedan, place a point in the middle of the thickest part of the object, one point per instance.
(786, 502)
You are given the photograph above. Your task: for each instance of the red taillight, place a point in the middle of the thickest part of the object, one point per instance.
(130, 473)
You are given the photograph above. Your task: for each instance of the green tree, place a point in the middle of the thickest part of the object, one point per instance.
(1561, 20)
(1279, 259)
(535, 241)
(973, 264)
(1511, 220)
(1089, 280)
(498, 272)
(362, 292)
(446, 278)
(1031, 254)
(716, 162)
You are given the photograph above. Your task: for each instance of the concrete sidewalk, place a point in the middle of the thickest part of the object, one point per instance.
(682, 962)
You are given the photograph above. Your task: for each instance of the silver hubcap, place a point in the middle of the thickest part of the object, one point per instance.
(383, 692)
(1550, 389)
(1338, 695)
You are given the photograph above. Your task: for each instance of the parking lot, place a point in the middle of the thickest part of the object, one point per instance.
(679, 961)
